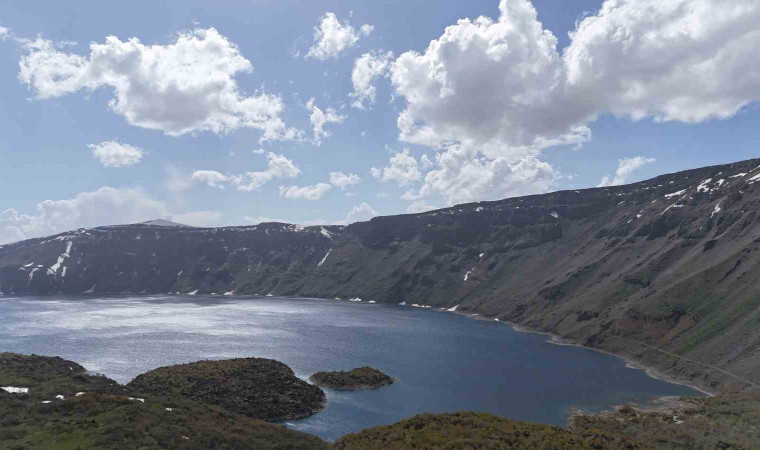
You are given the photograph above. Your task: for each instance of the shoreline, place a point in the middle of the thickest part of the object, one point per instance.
(559, 340)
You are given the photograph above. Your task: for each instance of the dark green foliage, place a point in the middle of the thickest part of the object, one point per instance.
(359, 378)
(471, 430)
(256, 387)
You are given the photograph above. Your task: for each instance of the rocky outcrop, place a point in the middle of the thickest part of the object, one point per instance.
(665, 271)
(255, 387)
(360, 378)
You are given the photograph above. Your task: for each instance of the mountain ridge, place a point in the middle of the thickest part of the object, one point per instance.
(667, 265)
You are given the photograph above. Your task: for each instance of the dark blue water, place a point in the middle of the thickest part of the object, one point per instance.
(442, 361)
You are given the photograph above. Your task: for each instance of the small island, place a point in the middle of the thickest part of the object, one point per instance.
(359, 378)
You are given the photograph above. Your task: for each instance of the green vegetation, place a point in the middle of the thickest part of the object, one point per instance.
(730, 421)
(472, 430)
(256, 387)
(359, 378)
(65, 408)
(109, 416)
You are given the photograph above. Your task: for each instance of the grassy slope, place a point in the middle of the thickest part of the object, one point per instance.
(730, 421)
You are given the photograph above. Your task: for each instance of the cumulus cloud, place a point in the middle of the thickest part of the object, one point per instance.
(363, 211)
(342, 181)
(105, 206)
(199, 218)
(489, 83)
(319, 119)
(211, 178)
(314, 192)
(499, 92)
(626, 166)
(186, 86)
(278, 166)
(366, 69)
(116, 154)
(419, 206)
(683, 60)
(332, 37)
(463, 175)
(402, 169)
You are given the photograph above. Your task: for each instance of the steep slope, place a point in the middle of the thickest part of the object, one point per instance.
(663, 271)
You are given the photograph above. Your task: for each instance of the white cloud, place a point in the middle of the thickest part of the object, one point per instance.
(116, 154)
(199, 218)
(314, 192)
(341, 180)
(682, 60)
(186, 86)
(258, 151)
(492, 94)
(360, 212)
(367, 68)
(4, 33)
(463, 175)
(319, 119)
(105, 206)
(495, 84)
(211, 178)
(262, 219)
(402, 169)
(278, 166)
(332, 37)
(420, 206)
(626, 166)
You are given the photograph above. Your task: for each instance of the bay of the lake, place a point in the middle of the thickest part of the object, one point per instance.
(441, 361)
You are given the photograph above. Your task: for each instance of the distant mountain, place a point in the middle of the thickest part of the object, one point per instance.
(665, 271)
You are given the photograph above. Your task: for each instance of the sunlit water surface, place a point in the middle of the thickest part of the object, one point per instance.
(441, 361)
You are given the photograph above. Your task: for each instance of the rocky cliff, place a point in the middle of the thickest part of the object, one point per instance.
(664, 271)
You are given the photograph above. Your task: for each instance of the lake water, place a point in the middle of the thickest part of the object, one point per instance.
(441, 361)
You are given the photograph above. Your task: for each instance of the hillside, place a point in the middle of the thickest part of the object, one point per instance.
(664, 272)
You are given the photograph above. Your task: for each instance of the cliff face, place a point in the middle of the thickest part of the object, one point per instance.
(664, 271)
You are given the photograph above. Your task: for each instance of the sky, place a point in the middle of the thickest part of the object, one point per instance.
(236, 113)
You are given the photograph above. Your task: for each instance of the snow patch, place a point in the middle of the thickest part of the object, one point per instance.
(479, 209)
(325, 233)
(703, 186)
(675, 194)
(738, 175)
(91, 290)
(355, 299)
(402, 303)
(554, 214)
(142, 400)
(453, 308)
(228, 293)
(15, 390)
(467, 275)
(193, 292)
(715, 211)
(325, 258)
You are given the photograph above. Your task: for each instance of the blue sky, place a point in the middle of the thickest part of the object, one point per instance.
(504, 106)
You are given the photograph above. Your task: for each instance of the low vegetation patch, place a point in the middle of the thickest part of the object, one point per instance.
(730, 421)
(68, 409)
(464, 430)
(256, 387)
(359, 378)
